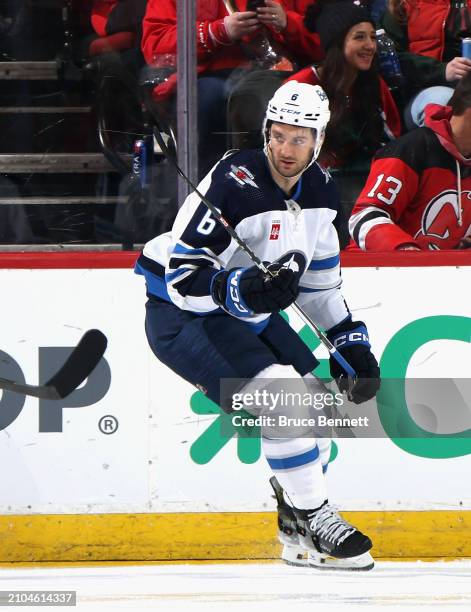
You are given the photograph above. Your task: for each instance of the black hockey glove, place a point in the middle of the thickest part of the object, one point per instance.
(350, 338)
(247, 291)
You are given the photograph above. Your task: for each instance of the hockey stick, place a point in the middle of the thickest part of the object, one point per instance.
(217, 215)
(78, 366)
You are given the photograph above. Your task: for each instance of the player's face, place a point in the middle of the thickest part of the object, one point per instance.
(291, 148)
(360, 46)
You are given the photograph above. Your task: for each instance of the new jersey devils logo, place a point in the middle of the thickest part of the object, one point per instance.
(441, 215)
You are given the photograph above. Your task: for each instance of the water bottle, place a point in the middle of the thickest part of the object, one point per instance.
(466, 48)
(388, 59)
(142, 160)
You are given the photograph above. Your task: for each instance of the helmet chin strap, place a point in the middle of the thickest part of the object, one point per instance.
(268, 153)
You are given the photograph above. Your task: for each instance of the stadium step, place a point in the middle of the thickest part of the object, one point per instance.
(62, 200)
(45, 110)
(83, 163)
(29, 71)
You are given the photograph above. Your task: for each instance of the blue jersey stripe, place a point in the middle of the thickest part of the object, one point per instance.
(308, 290)
(180, 249)
(155, 284)
(325, 264)
(176, 273)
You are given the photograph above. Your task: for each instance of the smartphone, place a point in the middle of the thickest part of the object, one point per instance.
(253, 5)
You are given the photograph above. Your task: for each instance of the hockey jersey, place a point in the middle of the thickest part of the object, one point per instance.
(418, 192)
(297, 231)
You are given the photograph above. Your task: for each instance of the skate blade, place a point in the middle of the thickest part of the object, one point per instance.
(294, 555)
(361, 563)
(300, 557)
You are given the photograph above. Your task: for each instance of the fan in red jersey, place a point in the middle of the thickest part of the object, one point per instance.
(418, 192)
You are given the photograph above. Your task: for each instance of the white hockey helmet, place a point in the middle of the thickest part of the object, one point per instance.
(299, 104)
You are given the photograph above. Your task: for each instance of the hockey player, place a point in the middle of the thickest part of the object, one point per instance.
(418, 193)
(212, 314)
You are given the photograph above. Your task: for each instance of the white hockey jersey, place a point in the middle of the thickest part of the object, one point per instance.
(178, 266)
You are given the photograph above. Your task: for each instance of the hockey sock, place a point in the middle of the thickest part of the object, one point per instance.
(297, 465)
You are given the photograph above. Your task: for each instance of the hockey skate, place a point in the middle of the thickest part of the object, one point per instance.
(287, 527)
(320, 538)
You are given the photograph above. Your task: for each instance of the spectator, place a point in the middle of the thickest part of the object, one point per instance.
(428, 39)
(418, 193)
(226, 41)
(363, 112)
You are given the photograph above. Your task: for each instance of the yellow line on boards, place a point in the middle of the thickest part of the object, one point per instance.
(222, 536)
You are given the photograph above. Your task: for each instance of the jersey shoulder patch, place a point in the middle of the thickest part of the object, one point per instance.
(242, 176)
(228, 166)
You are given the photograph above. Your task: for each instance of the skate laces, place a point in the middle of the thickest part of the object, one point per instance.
(327, 523)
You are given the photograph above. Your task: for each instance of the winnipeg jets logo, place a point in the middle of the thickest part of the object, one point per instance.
(293, 260)
(242, 176)
(291, 264)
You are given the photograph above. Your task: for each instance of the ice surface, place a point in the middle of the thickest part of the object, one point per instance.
(261, 587)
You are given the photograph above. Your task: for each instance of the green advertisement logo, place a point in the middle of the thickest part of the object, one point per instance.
(394, 362)
(396, 423)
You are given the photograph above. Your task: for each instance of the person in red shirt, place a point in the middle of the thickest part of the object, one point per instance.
(427, 36)
(363, 112)
(226, 39)
(418, 193)
(112, 16)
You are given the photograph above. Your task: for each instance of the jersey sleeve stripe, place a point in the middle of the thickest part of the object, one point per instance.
(357, 224)
(200, 261)
(366, 211)
(367, 226)
(170, 277)
(182, 249)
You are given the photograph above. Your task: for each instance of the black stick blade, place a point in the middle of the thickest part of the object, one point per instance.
(79, 365)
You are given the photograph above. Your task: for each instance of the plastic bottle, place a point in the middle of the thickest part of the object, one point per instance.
(388, 59)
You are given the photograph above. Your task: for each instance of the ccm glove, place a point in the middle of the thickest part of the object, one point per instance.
(247, 291)
(350, 338)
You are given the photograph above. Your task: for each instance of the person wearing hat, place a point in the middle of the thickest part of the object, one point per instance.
(364, 115)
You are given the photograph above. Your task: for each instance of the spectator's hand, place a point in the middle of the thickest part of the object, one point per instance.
(272, 15)
(408, 247)
(465, 243)
(457, 68)
(242, 24)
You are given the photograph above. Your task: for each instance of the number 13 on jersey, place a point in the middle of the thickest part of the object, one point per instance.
(392, 190)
